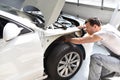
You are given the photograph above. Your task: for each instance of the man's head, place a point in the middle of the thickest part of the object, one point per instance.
(92, 25)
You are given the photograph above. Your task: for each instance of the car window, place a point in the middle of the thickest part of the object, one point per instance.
(2, 24)
(25, 30)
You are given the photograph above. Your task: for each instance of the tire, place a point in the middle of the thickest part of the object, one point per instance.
(64, 61)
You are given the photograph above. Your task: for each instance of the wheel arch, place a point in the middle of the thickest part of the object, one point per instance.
(57, 42)
(49, 49)
(83, 50)
(53, 45)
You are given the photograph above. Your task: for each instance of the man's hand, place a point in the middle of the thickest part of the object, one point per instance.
(82, 27)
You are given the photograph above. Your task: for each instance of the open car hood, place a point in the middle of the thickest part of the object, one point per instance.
(50, 8)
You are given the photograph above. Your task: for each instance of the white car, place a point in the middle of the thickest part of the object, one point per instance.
(31, 42)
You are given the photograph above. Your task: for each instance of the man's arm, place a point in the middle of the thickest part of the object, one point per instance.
(87, 39)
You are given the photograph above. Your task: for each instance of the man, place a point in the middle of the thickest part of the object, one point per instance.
(110, 38)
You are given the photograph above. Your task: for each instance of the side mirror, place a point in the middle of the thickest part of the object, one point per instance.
(11, 31)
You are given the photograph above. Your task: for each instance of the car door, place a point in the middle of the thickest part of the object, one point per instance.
(21, 58)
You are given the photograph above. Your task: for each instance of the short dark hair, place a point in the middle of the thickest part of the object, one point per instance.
(93, 21)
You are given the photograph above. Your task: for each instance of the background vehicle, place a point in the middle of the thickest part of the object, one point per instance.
(32, 42)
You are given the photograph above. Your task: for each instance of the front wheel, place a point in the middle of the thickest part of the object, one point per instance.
(64, 61)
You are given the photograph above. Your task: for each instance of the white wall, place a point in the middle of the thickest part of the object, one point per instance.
(85, 11)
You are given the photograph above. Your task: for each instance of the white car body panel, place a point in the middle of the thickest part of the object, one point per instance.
(18, 60)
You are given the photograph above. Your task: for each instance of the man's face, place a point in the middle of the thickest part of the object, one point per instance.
(90, 29)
